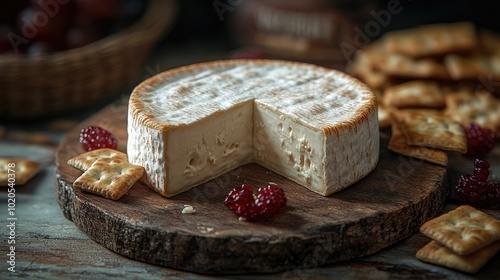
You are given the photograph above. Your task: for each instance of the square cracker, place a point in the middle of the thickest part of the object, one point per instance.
(489, 41)
(433, 131)
(364, 66)
(432, 39)
(384, 117)
(471, 67)
(414, 94)
(24, 170)
(398, 144)
(399, 65)
(85, 160)
(436, 253)
(480, 108)
(463, 230)
(109, 178)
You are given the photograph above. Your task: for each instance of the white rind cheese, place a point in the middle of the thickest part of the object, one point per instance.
(313, 125)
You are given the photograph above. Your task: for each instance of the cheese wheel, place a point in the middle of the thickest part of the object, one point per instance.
(315, 126)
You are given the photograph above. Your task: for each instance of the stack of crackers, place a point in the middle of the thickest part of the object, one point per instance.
(463, 239)
(106, 172)
(447, 73)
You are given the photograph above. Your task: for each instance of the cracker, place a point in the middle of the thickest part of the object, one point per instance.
(462, 87)
(398, 144)
(467, 67)
(414, 94)
(489, 41)
(24, 170)
(474, 66)
(436, 253)
(421, 111)
(373, 78)
(481, 108)
(432, 40)
(109, 178)
(364, 67)
(384, 117)
(463, 230)
(433, 131)
(31, 137)
(85, 160)
(398, 65)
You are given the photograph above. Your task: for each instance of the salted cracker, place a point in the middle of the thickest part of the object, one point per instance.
(384, 117)
(481, 108)
(459, 87)
(399, 114)
(398, 144)
(85, 160)
(464, 230)
(365, 66)
(484, 62)
(414, 94)
(472, 67)
(437, 254)
(23, 170)
(109, 178)
(403, 66)
(433, 131)
(432, 40)
(489, 41)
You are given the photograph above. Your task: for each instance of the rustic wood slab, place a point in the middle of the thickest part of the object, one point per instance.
(387, 206)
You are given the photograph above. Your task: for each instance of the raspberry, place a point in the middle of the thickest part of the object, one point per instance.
(481, 170)
(94, 137)
(476, 189)
(480, 141)
(247, 53)
(241, 201)
(268, 202)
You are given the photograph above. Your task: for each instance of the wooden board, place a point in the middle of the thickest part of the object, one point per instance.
(378, 211)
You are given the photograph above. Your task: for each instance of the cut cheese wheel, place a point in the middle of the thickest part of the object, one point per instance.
(313, 125)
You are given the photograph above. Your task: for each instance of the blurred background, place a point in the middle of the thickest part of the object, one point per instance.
(63, 61)
(61, 58)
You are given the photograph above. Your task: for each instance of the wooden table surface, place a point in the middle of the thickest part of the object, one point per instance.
(48, 246)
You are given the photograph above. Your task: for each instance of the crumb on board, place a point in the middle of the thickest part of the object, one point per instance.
(188, 209)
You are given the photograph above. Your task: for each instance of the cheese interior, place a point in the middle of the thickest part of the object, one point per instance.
(210, 147)
(312, 125)
(293, 150)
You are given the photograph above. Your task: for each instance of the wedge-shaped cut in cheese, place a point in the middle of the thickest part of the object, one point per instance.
(313, 125)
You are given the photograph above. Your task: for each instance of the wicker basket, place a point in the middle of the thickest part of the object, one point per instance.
(64, 81)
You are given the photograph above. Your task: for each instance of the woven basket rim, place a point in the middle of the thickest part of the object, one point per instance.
(156, 19)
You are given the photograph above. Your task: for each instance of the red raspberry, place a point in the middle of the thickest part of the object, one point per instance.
(241, 201)
(480, 141)
(477, 189)
(481, 170)
(269, 201)
(94, 137)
